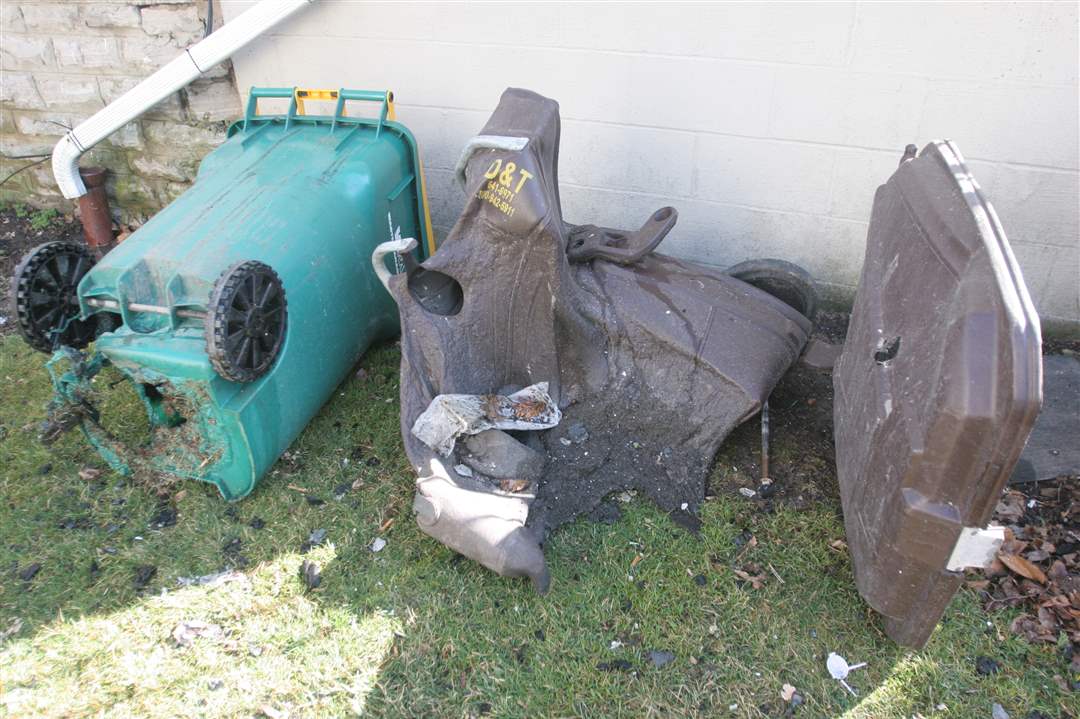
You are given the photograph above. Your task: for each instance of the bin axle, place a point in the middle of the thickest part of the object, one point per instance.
(138, 307)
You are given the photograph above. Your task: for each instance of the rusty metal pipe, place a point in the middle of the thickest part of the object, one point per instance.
(94, 212)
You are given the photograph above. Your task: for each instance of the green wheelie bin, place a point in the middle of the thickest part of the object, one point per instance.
(238, 308)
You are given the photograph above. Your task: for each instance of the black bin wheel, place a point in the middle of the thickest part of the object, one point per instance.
(45, 300)
(785, 281)
(245, 327)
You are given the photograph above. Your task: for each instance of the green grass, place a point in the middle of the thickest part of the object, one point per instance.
(40, 219)
(411, 631)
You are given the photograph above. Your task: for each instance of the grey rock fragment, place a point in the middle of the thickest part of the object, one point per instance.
(310, 574)
(661, 658)
(497, 454)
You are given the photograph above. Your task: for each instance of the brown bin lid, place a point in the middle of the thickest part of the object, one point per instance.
(937, 388)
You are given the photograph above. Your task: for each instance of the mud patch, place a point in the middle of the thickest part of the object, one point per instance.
(802, 456)
(628, 445)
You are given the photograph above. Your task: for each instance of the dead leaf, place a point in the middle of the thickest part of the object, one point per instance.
(1023, 567)
(1014, 544)
(14, 627)
(1058, 572)
(1011, 506)
(1031, 629)
(186, 632)
(839, 545)
(1037, 555)
(995, 568)
(1036, 569)
(89, 473)
(1058, 600)
(514, 485)
(757, 579)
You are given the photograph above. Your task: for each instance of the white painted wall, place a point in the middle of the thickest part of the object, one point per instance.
(768, 126)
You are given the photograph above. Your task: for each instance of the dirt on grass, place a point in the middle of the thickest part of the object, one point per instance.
(802, 459)
(21, 229)
(1061, 346)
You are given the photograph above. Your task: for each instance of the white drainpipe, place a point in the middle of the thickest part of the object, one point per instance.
(178, 73)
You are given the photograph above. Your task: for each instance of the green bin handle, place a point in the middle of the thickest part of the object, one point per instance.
(285, 93)
(386, 112)
(341, 95)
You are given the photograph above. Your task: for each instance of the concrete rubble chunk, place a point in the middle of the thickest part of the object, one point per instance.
(497, 454)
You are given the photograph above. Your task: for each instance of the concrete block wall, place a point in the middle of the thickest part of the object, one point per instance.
(769, 126)
(62, 61)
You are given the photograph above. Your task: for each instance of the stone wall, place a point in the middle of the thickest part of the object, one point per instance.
(62, 61)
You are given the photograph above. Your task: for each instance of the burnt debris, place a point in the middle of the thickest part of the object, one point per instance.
(650, 361)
